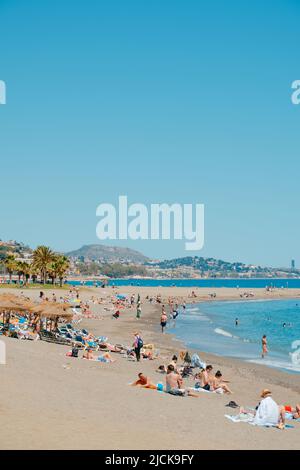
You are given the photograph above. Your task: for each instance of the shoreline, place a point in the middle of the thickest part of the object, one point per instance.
(272, 374)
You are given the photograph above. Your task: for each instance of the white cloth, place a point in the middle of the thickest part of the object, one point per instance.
(267, 413)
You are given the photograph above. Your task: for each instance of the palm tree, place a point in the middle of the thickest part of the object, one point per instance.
(24, 269)
(11, 265)
(63, 266)
(58, 268)
(42, 257)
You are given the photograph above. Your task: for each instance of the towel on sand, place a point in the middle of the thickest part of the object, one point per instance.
(248, 418)
(219, 390)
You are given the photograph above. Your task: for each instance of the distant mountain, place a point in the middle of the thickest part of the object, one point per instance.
(202, 264)
(217, 267)
(107, 254)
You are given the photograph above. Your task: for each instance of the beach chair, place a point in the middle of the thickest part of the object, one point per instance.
(51, 337)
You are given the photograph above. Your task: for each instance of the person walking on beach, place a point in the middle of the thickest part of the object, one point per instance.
(163, 320)
(138, 344)
(264, 344)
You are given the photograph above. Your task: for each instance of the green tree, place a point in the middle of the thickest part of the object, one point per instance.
(58, 268)
(25, 270)
(43, 256)
(11, 265)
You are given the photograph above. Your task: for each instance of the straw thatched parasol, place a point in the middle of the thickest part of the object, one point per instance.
(12, 303)
(52, 311)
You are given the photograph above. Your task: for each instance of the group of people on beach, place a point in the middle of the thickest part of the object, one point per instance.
(203, 376)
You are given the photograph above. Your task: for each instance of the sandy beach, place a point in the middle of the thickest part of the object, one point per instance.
(51, 401)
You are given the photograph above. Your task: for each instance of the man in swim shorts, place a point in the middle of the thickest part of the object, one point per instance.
(174, 383)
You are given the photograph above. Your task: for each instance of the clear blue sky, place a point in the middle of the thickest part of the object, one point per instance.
(165, 101)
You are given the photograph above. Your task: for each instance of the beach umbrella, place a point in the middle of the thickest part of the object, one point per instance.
(13, 303)
(52, 311)
(121, 296)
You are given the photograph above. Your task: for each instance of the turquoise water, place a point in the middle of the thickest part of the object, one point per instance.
(242, 283)
(211, 327)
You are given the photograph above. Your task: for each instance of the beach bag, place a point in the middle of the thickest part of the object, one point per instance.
(140, 343)
(75, 352)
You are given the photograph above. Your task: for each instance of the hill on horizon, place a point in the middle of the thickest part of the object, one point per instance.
(107, 253)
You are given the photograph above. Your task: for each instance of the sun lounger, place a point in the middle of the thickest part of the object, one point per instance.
(51, 337)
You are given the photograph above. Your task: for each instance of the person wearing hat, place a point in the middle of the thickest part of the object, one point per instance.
(268, 413)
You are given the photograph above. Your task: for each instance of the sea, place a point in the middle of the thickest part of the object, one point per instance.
(210, 283)
(211, 327)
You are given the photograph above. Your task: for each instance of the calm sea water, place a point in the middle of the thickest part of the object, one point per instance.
(211, 283)
(211, 327)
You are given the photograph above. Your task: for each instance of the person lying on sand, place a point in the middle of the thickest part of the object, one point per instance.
(110, 347)
(294, 411)
(144, 381)
(267, 412)
(106, 357)
(162, 369)
(218, 383)
(88, 354)
(174, 384)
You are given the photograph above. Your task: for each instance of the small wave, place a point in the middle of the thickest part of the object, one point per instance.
(276, 364)
(219, 331)
(194, 309)
(199, 316)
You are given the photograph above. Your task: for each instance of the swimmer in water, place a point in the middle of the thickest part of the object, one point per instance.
(236, 322)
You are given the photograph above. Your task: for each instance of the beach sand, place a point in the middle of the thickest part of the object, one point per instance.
(50, 401)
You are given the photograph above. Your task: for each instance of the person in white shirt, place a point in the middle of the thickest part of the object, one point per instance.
(268, 412)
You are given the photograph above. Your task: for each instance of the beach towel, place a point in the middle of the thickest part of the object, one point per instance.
(219, 390)
(289, 416)
(248, 418)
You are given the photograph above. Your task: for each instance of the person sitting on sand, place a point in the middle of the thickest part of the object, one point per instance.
(174, 384)
(218, 383)
(205, 378)
(268, 413)
(174, 363)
